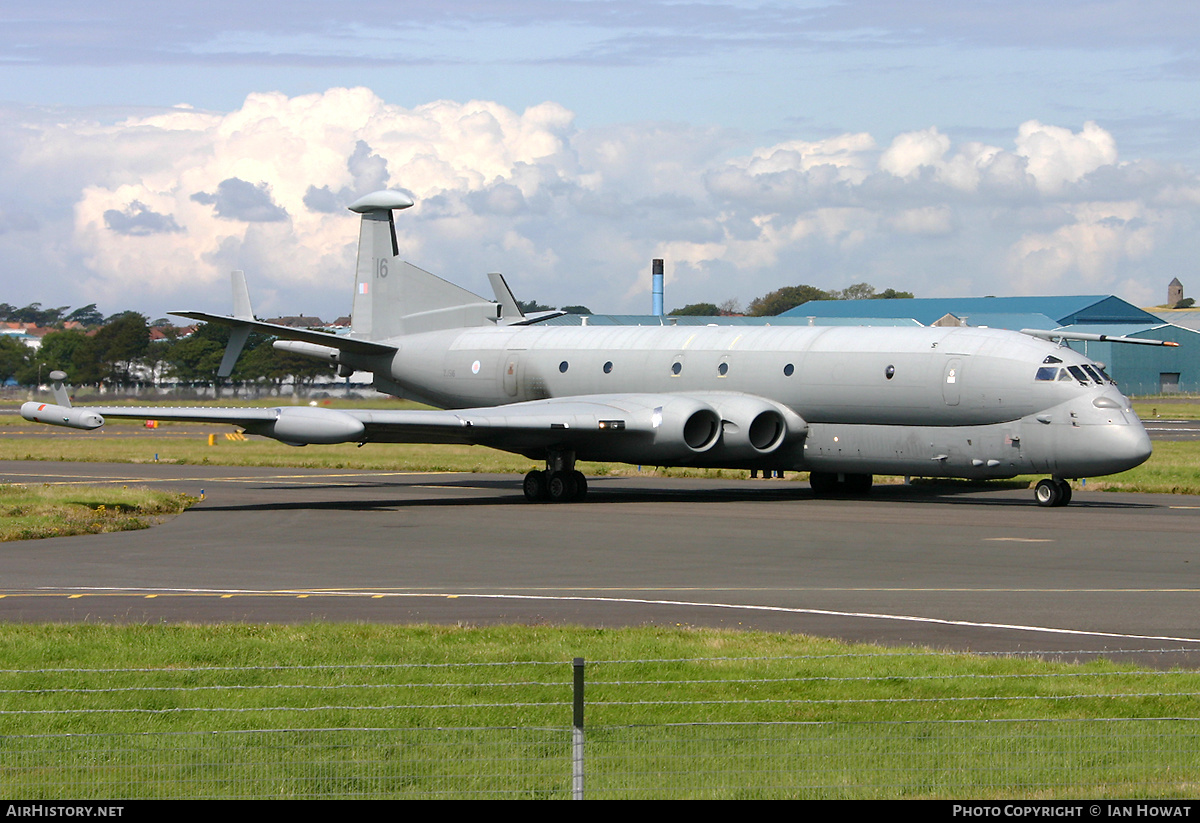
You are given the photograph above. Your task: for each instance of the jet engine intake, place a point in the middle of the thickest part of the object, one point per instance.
(754, 426)
(682, 427)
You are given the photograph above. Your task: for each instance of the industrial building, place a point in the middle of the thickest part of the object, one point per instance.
(1138, 370)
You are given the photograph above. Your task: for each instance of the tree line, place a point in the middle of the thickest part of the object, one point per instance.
(121, 354)
(34, 313)
(780, 300)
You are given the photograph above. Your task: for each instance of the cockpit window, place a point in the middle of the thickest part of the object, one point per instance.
(1052, 359)
(1104, 374)
(1047, 373)
(1093, 373)
(1078, 374)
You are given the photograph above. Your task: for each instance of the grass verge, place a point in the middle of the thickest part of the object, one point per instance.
(1172, 469)
(28, 512)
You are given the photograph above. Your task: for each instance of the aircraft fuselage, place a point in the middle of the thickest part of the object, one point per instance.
(955, 402)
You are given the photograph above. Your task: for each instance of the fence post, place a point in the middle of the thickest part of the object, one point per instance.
(577, 734)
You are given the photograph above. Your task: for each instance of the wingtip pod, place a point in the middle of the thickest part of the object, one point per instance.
(57, 415)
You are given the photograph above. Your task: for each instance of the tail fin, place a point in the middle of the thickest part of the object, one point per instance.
(394, 298)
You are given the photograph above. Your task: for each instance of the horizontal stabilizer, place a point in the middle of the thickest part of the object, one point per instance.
(538, 316)
(320, 338)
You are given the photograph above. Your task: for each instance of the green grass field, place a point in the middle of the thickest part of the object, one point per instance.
(150, 711)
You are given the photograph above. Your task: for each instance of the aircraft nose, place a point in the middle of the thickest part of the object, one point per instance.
(1139, 448)
(1134, 447)
(1105, 448)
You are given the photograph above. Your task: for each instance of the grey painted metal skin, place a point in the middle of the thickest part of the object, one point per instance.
(961, 402)
(842, 402)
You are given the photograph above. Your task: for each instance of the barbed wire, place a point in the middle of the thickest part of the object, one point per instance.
(898, 654)
(595, 704)
(313, 667)
(891, 677)
(267, 686)
(598, 683)
(250, 709)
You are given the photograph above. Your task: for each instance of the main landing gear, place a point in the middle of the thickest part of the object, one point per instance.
(1053, 491)
(558, 483)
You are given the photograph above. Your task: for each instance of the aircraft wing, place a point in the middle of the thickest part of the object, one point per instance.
(626, 428)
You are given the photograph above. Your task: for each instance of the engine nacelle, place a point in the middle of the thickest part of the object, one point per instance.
(658, 430)
(683, 426)
(57, 415)
(754, 426)
(303, 425)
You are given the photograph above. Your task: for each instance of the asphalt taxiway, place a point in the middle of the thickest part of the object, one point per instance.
(956, 567)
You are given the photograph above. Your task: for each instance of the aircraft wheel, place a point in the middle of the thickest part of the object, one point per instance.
(824, 484)
(1048, 493)
(535, 487)
(1065, 488)
(563, 487)
(581, 485)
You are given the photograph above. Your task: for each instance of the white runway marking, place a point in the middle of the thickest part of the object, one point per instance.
(634, 601)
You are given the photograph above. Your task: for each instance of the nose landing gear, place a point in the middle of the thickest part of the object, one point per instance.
(1052, 492)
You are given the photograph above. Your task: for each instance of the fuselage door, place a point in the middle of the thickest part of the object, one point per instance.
(512, 367)
(951, 380)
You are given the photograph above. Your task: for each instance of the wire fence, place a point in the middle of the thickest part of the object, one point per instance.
(883, 725)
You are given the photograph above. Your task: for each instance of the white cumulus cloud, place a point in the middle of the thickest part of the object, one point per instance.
(151, 212)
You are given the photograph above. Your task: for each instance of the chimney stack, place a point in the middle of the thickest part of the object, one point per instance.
(656, 288)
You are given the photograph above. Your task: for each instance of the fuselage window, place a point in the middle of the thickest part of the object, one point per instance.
(563, 366)
(889, 372)
(788, 370)
(723, 369)
(608, 367)
(676, 367)
(1047, 373)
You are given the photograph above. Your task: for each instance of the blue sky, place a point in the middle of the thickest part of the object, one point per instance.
(945, 148)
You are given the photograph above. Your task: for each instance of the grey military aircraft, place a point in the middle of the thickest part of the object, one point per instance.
(843, 403)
